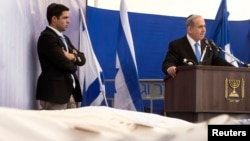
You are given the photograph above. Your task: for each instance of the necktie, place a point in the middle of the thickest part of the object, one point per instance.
(65, 43)
(197, 52)
(67, 49)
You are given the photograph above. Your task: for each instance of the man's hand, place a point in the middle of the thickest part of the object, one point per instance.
(172, 71)
(74, 51)
(69, 56)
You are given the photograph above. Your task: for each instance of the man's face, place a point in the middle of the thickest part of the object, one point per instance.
(198, 31)
(62, 22)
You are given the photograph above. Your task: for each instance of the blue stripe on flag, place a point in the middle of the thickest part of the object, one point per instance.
(90, 93)
(128, 69)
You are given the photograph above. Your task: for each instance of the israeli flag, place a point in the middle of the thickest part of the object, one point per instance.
(127, 86)
(93, 80)
(220, 32)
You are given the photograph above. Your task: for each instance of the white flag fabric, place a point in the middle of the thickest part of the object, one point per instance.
(93, 81)
(127, 87)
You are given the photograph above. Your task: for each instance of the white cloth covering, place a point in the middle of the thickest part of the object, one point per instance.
(99, 124)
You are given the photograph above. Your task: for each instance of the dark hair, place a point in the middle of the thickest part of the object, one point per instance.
(55, 9)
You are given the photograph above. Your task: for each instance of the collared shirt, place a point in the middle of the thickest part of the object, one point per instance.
(192, 42)
(57, 32)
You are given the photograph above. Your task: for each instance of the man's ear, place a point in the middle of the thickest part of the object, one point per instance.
(54, 18)
(189, 29)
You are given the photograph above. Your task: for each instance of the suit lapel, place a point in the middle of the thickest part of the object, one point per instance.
(203, 45)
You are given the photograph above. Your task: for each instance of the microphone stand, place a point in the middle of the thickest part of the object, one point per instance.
(203, 54)
(232, 56)
(205, 50)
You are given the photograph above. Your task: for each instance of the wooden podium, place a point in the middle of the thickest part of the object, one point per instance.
(198, 93)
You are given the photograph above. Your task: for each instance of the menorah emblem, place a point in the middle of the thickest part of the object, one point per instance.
(234, 84)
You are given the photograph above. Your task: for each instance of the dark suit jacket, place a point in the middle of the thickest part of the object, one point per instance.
(181, 49)
(55, 81)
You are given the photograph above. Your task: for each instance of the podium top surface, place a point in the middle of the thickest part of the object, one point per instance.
(206, 67)
(210, 68)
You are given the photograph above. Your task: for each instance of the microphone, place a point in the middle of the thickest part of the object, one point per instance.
(188, 62)
(218, 48)
(229, 54)
(205, 50)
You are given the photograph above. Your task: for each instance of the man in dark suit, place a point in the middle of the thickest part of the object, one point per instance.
(183, 51)
(58, 86)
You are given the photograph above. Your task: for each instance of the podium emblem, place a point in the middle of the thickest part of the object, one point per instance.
(234, 90)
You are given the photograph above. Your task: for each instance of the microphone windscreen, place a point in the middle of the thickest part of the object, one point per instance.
(188, 62)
